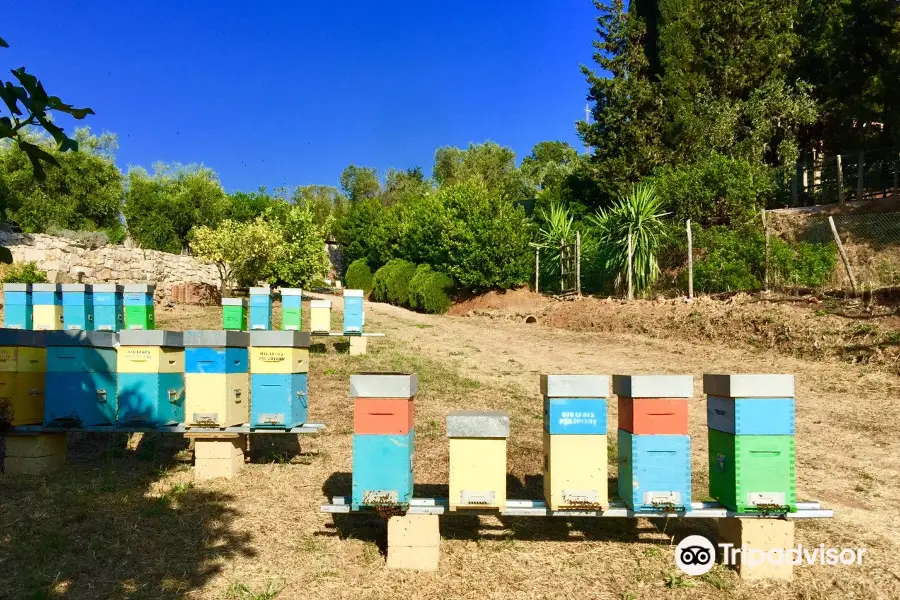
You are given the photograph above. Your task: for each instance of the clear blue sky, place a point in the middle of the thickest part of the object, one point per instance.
(289, 93)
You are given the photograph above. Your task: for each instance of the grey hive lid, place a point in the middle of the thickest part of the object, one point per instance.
(22, 337)
(108, 287)
(575, 386)
(151, 337)
(755, 385)
(216, 339)
(280, 339)
(16, 287)
(139, 288)
(653, 386)
(234, 302)
(45, 287)
(291, 292)
(260, 291)
(477, 424)
(384, 385)
(95, 339)
(76, 287)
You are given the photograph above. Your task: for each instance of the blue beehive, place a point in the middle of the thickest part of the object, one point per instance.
(584, 416)
(291, 298)
(80, 386)
(46, 294)
(751, 416)
(655, 471)
(216, 360)
(382, 469)
(278, 400)
(138, 295)
(108, 312)
(78, 306)
(17, 311)
(260, 308)
(151, 399)
(354, 316)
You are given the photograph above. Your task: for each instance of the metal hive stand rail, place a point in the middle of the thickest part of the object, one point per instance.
(537, 508)
(180, 428)
(341, 334)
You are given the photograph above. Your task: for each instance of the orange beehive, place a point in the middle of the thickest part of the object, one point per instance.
(382, 416)
(655, 416)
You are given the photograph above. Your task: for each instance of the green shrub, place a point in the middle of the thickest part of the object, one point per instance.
(805, 265)
(391, 282)
(359, 276)
(26, 272)
(430, 291)
(87, 239)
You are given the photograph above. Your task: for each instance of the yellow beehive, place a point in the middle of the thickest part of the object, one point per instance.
(150, 359)
(27, 405)
(7, 391)
(320, 316)
(31, 360)
(217, 399)
(47, 317)
(477, 473)
(575, 471)
(9, 356)
(279, 360)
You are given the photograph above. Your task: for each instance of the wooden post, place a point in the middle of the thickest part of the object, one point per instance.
(766, 267)
(840, 181)
(795, 193)
(630, 276)
(861, 176)
(578, 262)
(690, 240)
(897, 180)
(537, 270)
(562, 266)
(843, 254)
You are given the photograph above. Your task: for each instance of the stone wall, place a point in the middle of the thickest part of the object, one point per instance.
(66, 261)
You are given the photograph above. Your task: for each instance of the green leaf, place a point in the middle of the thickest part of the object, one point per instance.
(10, 98)
(3, 43)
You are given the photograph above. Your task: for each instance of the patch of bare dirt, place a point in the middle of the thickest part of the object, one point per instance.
(521, 299)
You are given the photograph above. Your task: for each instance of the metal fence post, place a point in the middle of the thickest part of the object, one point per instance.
(766, 267)
(840, 181)
(630, 277)
(578, 262)
(537, 270)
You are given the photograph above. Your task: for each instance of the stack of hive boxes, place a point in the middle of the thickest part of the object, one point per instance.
(109, 314)
(291, 309)
(383, 438)
(260, 308)
(81, 378)
(139, 310)
(279, 363)
(575, 449)
(354, 316)
(654, 445)
(217, 382)
(47, 310)
(23, 365)
(17, 307)
(751, 441)
(234, 314)
(477, 458)
(320, 316)
(78, 306)
(150, 378)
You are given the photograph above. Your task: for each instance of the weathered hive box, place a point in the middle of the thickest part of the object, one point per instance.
(109, 312)
(17, 306)
(354, 316)
(383, 416)
(384, 385)
(655, 471)
(653, 404)
(151, 386)
(279, 361)
(81, 378)
(575, 386)
(752, 473)
(653, 386)
(291, 309)
(382, 470)
(750, 416)
(23, 362)
(767, 385)
(320, 316)
(477, 458)
(575, 471)
(260, 308)
(47, 310)
(139, 310)
(234, 314)
(78, 306)
(217, 383)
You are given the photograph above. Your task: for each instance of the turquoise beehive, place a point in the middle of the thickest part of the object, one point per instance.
(78, 306)
(260, 308)
(17, 308)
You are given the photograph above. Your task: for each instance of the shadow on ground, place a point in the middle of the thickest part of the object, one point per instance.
(102, 529)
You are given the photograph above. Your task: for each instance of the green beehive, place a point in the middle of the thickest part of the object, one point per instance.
(752, 473)
(234, 314)
(140, 317)
(291, 311)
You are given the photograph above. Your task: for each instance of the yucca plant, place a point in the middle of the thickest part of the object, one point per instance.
(640, 214)
(557, 229)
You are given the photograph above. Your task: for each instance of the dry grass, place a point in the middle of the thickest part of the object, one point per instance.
(128, 523)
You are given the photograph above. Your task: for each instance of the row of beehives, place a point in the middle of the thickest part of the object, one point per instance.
(751, 456)
(78, 306)
(154, 378)
(241, 314)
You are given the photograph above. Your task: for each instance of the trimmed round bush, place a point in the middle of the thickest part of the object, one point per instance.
(391, 282)
(359, 276)
(430, 290)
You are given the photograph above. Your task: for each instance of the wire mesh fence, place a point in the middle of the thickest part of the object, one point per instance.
(852, 177)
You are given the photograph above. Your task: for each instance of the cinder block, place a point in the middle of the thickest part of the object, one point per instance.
(384, 385)
(749, 385)
(219, 448)
(216, 339)
(575, 386)
(756, 536)
(35, 446)
(280, 339)
(40, 465)
(477, 424)
(214, 468)
(414, 558)
(414, 531)
(358, 345)
(653, 386)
